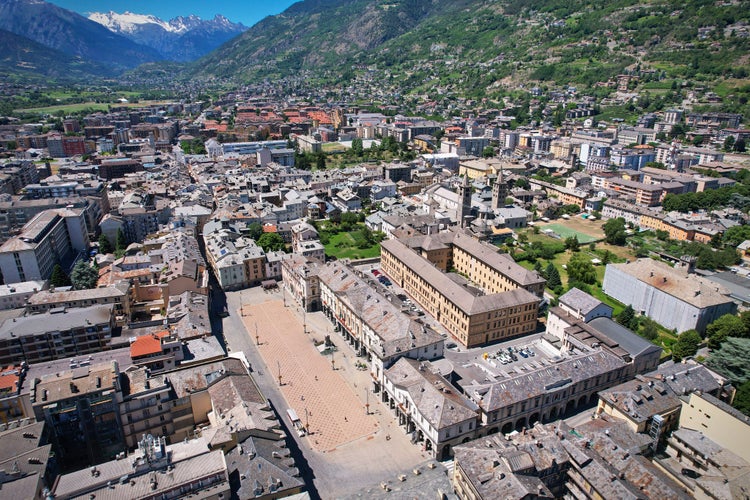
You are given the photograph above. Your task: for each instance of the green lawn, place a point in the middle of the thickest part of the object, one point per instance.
(333, 147)
(566, 232)
(346, 246)
(562, 259)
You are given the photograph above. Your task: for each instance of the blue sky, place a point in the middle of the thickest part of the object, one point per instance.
(248, 12)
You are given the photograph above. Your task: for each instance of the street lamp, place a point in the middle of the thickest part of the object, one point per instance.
(333, 362)
(367, 403)
(257, 338)
(278, 365)
(307, 420)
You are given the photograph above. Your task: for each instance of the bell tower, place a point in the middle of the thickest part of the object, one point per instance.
(464, 200)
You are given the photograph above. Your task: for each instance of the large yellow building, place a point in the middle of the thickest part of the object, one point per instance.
(479, 295)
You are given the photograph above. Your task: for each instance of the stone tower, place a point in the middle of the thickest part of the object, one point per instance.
(464, 202)
(499, 190)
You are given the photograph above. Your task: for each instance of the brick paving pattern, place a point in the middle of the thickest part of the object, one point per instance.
(335, 413)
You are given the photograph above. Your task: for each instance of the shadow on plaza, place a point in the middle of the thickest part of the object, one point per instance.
(306, 473)
(217, 309)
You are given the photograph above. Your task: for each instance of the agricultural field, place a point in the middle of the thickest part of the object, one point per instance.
(85, 106)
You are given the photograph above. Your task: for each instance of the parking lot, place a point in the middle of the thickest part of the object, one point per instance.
(504, 360)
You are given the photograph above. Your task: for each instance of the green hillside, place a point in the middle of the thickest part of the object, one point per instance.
(24, 60)
(474, 48)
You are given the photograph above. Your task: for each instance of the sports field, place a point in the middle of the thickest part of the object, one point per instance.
(566, 232)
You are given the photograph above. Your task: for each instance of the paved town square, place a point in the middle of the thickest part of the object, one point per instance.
(344, 442)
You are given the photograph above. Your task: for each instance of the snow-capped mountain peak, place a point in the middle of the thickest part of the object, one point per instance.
(129, 22)
(184, 38)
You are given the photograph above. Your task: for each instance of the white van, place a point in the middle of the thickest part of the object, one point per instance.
(296, 422)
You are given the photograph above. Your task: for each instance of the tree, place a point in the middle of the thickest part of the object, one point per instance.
(649, 330)
(302, 161)
(579, 285)
(662, 235)
(348, 221)
(716, 240)
(104, 245)
(740, 145)
(84, 276)
(58, 277)
(742, 398)
(368, 237)
(729, 143)
(627, 317)
(553, 276)
(614, 231)
(255, 230)
(728, 325)
(271, 242)
(687, 345)
(488, 152)
(736, 235)
(539, 269)
(357, 147)
(730, 360)
(581, 269)
(120, 243)
(571, 243)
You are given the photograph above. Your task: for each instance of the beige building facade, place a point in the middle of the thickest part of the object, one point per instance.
(479, 295)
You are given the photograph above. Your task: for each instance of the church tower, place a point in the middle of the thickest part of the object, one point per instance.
(464, 202)
(499, 190)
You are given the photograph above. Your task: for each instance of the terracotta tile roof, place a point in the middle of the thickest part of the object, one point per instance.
(214, 125)
(321, 116)
(146, 345)
(9, 379)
